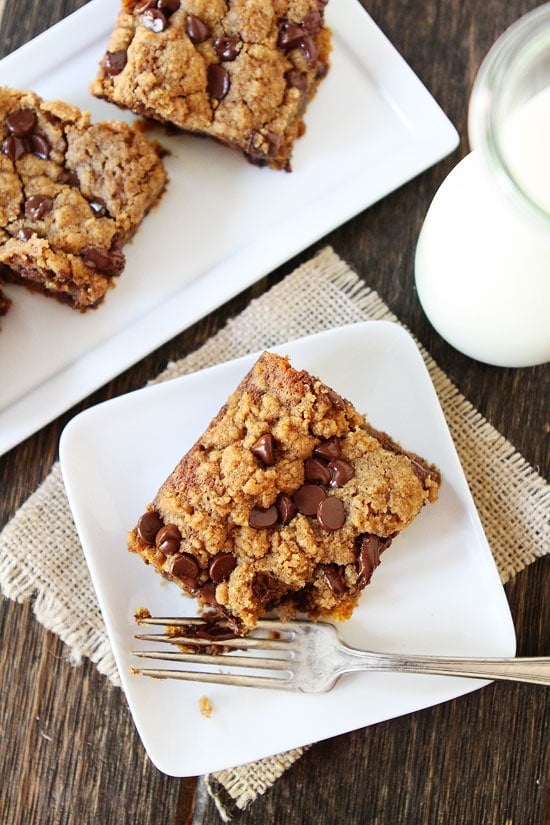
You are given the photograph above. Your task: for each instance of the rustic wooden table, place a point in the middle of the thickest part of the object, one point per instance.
(68, 749)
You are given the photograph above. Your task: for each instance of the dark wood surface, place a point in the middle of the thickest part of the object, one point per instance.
(68, 749)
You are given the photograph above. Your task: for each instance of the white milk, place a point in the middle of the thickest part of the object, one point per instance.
(482, 265)
(526, 147)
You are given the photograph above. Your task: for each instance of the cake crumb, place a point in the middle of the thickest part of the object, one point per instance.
(141, 613)
(205, 706)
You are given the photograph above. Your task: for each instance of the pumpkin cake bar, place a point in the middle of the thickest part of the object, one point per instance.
(73, 193)
(239, 71)
(286, 502)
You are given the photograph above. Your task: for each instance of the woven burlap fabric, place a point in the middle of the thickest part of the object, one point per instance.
(40, 543)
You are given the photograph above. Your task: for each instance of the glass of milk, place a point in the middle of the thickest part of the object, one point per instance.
(482, 264)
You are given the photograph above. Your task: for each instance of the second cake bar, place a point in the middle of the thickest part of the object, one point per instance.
(241, 72)
(73, 193)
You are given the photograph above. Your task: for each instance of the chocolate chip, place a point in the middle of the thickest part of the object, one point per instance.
(313, 22)
(290, 35)
(286, 508)
(299, 35)
(21, 138)
(309, 49)
(341, 472)
(197, 30)
(260, 145)
(114, 62)
(328, 449)
(260, 518)
(296, 80)
(39, 146)
(99, 207)
(422, 471)
(336, 400)
(185, 567)
(264, 449)
(143, 5)
(385, 441)
(316, 471)
(331, 513)
(68, 177)
(21, 123)
(266, 588)
(208, 593)
(168, 539)
(334, 577)
(148, 526)
(14, 147)
(322, 69)
(217, 81)
(168, 6)
(227, 48)
(37, 206)
(154, 20)
(25, 233)
(307, 499)
(273, 142)
(302, 600)
(369, 557)
(221, 567)
(109, 261)
(210, 630)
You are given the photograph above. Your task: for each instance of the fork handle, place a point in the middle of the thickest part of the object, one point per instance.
(533, 670)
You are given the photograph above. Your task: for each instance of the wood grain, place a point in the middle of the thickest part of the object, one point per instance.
(69, 752)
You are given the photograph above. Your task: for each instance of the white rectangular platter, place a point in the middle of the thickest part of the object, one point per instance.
(437, 590)
(222, 223)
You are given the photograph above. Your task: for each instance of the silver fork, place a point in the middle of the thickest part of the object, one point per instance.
(304, 656)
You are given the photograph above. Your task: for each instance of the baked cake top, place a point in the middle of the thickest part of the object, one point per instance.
(73, 192)
(286, 500)
(240, 71)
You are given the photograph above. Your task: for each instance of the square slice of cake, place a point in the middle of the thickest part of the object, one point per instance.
(240, 72)
(286, 502)
(73, 193)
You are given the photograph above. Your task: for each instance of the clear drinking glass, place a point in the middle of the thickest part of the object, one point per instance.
(482, 263)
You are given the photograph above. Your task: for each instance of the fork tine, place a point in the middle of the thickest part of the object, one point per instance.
(277, 640)
(213, 659)
(179, 621)
(234, 679)
(240, 642)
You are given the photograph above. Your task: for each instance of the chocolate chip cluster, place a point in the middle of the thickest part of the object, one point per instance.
(22, 136)
(166, 538)
(368, 549)
(155, 15)
(301, 35)
(324, 469)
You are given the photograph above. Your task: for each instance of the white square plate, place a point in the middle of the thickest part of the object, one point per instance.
(222, 223)
(437, 590)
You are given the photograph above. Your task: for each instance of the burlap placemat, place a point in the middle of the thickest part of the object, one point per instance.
(40, 542)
